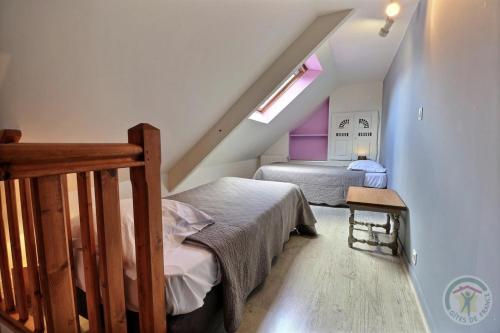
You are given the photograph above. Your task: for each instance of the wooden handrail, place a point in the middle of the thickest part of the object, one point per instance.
(38, 153)
(22, 160)
(39, 170)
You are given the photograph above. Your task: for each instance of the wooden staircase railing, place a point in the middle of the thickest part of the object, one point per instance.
(37, 289)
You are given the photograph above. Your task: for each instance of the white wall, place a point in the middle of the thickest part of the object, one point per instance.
(5, 329)
(207, 173)
(278, 152)
(365, 96)
(89, 70)
(251, 139)
(446, 166)
(280, 147)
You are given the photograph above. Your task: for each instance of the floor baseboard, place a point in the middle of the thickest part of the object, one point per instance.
(405, 265)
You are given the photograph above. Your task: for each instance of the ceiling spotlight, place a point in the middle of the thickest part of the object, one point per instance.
(392, 10)
(384, 31)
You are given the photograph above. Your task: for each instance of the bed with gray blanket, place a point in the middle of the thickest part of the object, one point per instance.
(253, 219)
(320, 184)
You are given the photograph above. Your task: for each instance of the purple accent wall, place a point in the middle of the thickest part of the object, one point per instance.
(309, 141)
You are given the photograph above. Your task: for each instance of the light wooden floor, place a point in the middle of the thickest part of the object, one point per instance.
(320, 285)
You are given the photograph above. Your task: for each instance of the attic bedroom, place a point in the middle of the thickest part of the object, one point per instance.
(249, 166)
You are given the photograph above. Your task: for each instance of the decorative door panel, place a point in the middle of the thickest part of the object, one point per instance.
(342, 132)
(343, 149)
(353, 134)
(365, 134)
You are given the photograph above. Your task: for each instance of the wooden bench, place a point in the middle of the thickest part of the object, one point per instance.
(375, 200)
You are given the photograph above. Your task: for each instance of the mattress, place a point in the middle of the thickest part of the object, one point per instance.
(253, 219)
(375, 179)
(191, 271)
(320, 184)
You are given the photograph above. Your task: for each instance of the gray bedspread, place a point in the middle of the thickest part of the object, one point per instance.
(253, 219)
(320, 184)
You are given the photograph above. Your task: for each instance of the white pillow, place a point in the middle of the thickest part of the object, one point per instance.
(367, 166)
(182, 220)
(179, 219)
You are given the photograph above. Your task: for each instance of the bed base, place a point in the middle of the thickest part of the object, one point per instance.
(207, 319)
(38, 294)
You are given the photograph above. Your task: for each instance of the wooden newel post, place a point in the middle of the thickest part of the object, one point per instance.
(146, 185)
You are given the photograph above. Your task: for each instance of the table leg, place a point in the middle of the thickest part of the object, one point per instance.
(395, 231)
(351, 240)
(387, 226)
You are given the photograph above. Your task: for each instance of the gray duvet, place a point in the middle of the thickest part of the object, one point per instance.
(253, 219)
(320, 184)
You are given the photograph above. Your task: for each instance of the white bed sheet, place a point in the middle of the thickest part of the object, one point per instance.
(375, 179)
(191, 270)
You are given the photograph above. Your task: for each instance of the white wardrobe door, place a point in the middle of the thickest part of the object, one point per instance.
(342, 136)
(365, 134)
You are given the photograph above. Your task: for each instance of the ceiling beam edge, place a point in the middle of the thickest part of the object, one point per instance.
(306, 44)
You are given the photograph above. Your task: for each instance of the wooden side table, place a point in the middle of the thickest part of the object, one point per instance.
(375, 200)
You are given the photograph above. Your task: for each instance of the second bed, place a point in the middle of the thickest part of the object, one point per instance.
(321, 184)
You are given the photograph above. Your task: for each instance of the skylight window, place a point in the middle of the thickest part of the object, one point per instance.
(287, 91)
(294, 77)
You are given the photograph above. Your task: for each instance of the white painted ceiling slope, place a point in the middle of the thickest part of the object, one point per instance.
(360, 54)
(355, 53)
(86, 71)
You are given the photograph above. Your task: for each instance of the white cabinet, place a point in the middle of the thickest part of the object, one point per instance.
(353, 134)
(341, 141)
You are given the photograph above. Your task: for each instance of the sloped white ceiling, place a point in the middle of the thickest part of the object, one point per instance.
(354, 53)
(360, 54)
(88, 70)
(250, 139)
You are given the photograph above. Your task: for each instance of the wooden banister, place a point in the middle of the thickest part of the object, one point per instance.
(40, 170)
(69, 237)
(10, 136)
(87, 232)
(32, 171)
(39, 153)
(45, 159)
(53, 254)
(15, 245)
(110, 250)
(8, 298)
(31, 257)
(7, 136)
(146, 190)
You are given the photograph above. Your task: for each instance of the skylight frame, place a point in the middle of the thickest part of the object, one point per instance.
(293, 78)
